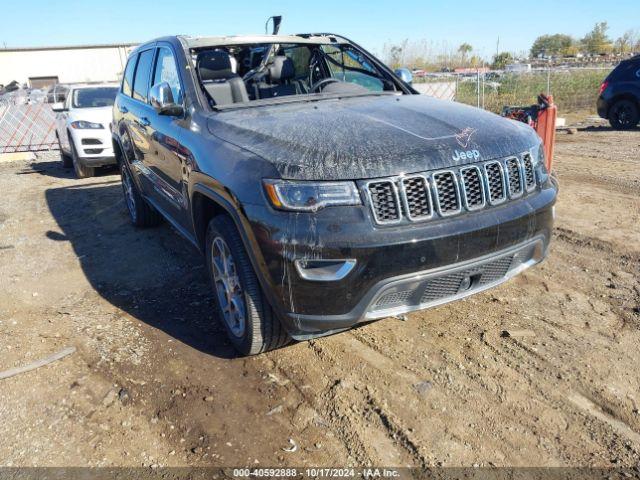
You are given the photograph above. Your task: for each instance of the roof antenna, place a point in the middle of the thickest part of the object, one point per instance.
(277, 20)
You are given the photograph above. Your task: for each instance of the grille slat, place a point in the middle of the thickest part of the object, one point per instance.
(515, 179)
(495, 182)
(385, 202)
(529, 175)
(419, 197)
(447, 193)
(472, 187)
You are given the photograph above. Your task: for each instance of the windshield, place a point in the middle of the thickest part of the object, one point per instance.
(94, 97)
(349, 65)
(238, 76)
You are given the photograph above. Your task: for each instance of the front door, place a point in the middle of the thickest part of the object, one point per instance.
(169, 157)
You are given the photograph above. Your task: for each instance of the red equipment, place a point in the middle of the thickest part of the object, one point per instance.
(542, 117)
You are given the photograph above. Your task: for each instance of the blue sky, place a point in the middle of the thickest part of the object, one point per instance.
(371, 23)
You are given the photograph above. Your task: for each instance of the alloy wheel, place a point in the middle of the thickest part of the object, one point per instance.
(127, 187)
(623, 114)
(228, 289)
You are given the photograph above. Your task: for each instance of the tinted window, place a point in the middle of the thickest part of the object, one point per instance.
(349, 65)
(127, 81)
(167, 71)
(94, 97)
(141, 80)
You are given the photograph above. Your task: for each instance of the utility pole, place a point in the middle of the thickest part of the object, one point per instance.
(498, 46)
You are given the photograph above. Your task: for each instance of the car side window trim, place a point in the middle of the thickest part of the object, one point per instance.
(133, 60)
(149, 76)
(175, 59)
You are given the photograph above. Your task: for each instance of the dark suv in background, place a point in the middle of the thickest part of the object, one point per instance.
(321, 189)
(619, 99)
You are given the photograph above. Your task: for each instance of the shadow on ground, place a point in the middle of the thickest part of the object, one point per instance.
(603, 129)
(55, 169)
(152, 274)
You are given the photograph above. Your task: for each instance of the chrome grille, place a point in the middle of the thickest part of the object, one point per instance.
(447, 194)
(495, 182)
(529, 175)
(472, 187)
(514, 176)
(450, 284)
(395, 298)
(419, 197)
(384, 200)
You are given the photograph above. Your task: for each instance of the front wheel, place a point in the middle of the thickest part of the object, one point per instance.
(624, 115)
(82, 171)
(242, 308)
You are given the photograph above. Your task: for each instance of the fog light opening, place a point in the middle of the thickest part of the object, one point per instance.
(324, 270)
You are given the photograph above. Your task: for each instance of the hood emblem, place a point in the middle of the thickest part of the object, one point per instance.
(464, 136)
(468, 155)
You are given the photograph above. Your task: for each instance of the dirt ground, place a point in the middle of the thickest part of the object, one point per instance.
(153, 381)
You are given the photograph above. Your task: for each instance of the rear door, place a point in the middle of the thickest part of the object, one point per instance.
(139, 109)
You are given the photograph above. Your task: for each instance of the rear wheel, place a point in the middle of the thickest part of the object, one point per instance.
(140, 212)
(242, 308)
(82, 171)
(624, 115)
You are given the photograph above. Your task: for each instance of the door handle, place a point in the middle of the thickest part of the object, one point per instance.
(123, 109)
(144, 122)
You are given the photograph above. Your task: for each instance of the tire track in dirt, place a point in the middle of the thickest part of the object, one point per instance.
(369, 431)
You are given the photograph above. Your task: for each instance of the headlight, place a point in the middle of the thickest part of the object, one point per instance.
(537, 154)
(539, 164)
(310, 196)
(82, 125)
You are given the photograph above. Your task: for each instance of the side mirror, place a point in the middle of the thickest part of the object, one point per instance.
(405, 75)
(161, 98)
(58, 107)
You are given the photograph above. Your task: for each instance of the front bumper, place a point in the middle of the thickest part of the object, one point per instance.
(392, 262)
(94, 146)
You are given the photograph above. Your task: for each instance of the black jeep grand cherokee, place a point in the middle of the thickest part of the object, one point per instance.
(322, 190)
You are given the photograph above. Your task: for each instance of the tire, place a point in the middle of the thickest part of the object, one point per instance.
(141, 214)
(67, 162)
(624, 115)
(82, 171)
(262, 329)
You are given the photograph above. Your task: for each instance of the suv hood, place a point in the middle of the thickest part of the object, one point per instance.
(369, 137)
(101, 115)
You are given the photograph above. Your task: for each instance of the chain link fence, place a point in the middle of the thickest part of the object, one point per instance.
(26, 123)
(573, 89)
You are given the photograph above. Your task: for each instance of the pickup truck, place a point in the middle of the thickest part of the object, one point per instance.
(321, 189)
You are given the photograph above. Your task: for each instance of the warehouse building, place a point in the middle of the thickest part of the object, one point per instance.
(45, 66)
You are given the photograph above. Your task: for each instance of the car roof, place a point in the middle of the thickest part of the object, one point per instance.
(79, 86)
(200, 42)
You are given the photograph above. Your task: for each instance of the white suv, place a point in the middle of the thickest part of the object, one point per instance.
(82, 127)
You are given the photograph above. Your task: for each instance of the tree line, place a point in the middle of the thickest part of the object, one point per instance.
(595, 42)
(429, 55)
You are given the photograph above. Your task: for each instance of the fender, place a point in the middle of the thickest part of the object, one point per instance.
(116, 139)
(244, 229)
